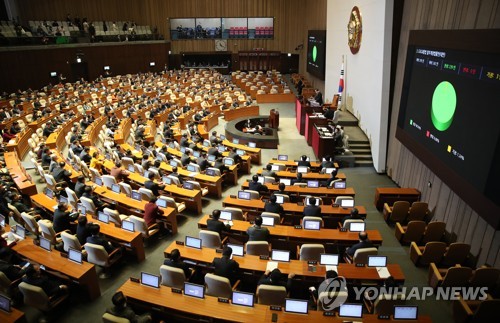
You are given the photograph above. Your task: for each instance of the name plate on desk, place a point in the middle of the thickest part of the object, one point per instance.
(180, 243)
(64, 255)
(335, 204)
(223, 300)
(384, 317)
(218, 250)
(327, 313)
(134, 280)
(360, 265)
(312, 262)
(275, 308)
(343, 229)
(176, 290)
(263, 257)
(232, 196)
(297, 226)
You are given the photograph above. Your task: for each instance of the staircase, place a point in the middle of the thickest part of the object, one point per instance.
(359, 145)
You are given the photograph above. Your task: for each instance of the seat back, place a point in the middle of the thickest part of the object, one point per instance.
(218, 286)
(254, 195)
(313, 218)
(4, 283)
(215, 170)
(89, 205)
(414, 231)
(434, 231)
(114, 216)
(147, 194)
(108, 180)
(433, 252)
(325, 297)
(399, 211)
(384, 304)
(418, 211)
(485, 277)
(31, 224)
(174, 179)
(51, 182)
(457, 277)
(275, 216)
(311, 251)
(271, 295)
(96, 254)
(34, 296)
(110, 318)
(236, 213)
(47, 230)
(126, 188)
(361, 255)
(70, 241)
(172, 277)
(126, 161)
(140, 225)
(257, 248)
(457, 253)
(339, 198)
(210, 239)
(72, 198)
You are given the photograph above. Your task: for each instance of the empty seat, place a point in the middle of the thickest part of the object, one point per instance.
(456, 253)
(172, 276)
(210, 239)
(457, 276)
(431, 252)
(418, 211)
(271, 295)
(257, 248)
(434, 232)
(311, 251)
(397, 213)
(412, 232)
(218, 286)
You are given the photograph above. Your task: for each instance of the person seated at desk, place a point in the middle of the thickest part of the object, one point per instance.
(364, 242)
(202, 161)
(88, 193)
(273, 278)
(312, 209)
(80, 186)
(17, 201)
(225, 266)
(214, 151)
(184, 142)
(145, 163)
(76, 147)
(15, 128)
(151, 185)
(97, 239)
(50, 285)
(328, 113)
(232, 154)
(219, 164)
(175, 261)
(63, 175)
(176, 174)
(254, 185)
(83, 229)
(8, 264)
(298, 179)
(118, 173)
(46, 159)
(214, 139)
(353, 216)
(63, 219)
(85, 155)
(121, 309)
(268, 171)
(303, 161)
(256, 232)
(327, 163)
(152, 213)
(186, 158)
(53, 163)
(272, 206)
(333, 177)
(214, 224)
(258, 130)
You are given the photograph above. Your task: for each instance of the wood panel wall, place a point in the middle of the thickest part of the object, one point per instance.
(292, 18)
(406, 169)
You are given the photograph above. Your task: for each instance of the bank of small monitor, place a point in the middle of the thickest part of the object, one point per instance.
(150, 280)
(242, 298)
(45, 244)
(329, 259)
(280, 199)
(405, 312)
(136, 196)
(75, 255)
(193, 242)
(252, 145)
(194, 290)
(302, 169)
(128, 225)
(357, 226)
(377, 261)
(296, 306)
(313, 184)
(98, 181)
(280, 255)
(351, 310)
(268, 221)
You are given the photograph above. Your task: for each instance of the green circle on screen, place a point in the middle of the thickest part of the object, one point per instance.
(315, 53)
(444, 103)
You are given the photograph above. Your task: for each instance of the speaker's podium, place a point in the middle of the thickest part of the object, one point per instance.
(274, 119)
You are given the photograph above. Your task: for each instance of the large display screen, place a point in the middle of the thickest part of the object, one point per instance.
(316, 51)
(450, 113)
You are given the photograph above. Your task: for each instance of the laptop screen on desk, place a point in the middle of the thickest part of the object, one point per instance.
(242, 195)
(225, 215)
(193, 242)
(82, 209)
(296, 306)
(377, 261)
(75, 255)
(339, 185)
(167, 180)
(194, 290)
(405, 312)
(188, 186)
(63, 199)
(252, 144)
(103, 217)
(268, 221)
(5, 303)
(236, 141)
(128, 225)
(131, 168)
(282, 157)
(241, 298)
(313, 184)
(161, 202)
(280, 255)
(286, 181)
(261, 179)
(329, 170)
(312, 225)
(192, 168)
(351, 310)
(150, 280)
(357, 226)
(45, 244)
(49, 193)
(173, 163)
(98, 181)
(136, 196)
(222, 137)
(275, 168)
(237, 249)
(116, 188)
(347, 203)
(183, 149)
(302, 169)
(196, 154)
(19, 230)
(211, 157)
(228, 162)
(329, 259)
(280, 199)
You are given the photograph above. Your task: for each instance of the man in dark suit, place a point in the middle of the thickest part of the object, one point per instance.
(254, 185)
(214, 151)
(274, 278)
(50, 285)
(80, 186)
(202, 161)
(186, 158)
(298, 179)
(256, 232)
(225, 266)
(220, 165)
(353, 216)
(63, 218)
(312, 209)
(175, 261)
(333, 176)
(327, 163)
(214, 139)
(268, 171)
(122, 310)
(364, 242)
(318, 97)
(62, 175)
(176, 174)
(83, 229)
(272, 206)
(232, 154)
(303, 161)
(151, 185)
(95, 238)
(214, 224)
(184, 142)
(328, 113)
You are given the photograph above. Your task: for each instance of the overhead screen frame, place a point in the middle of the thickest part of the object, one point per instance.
(480, 41)
(320, 71)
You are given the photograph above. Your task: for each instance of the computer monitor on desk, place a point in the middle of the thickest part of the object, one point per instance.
(286, 181)
(296, 306)
(377, 261)
(136, 196)
(225, 215)
(311, 225)
(211, 158)
(131, 168)
(128, 225)
(357, 226)
(313, 184)
(193, 242)
(150, 280)
(405, 312)
(161, 202)
(237, 249)
(268, 221)
(351, 310)
(280, 255)
(347, 203)
(242, 195)
(280, 199)
(339, 185)
(116, 188)
(45, 244)
(242, 298)
(194, 290)
(5, 303)
(302, 169)
(75, 255)
(252, 145)
(283, 157)
(103, 217)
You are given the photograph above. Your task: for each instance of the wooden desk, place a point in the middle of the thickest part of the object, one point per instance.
(249, 111)
(296, 237)
(322, 145)
(310, 175)
(255, 153)
(209, 309)
(301, 109)
(131, 239)
(301, 191)
(15, 315)
(22, 179)
(123, 131)
(392, 194)
(245, 165)
(275, 98)
(311, 120)
(84, 273)
(315, 165)
(254, 264)
(20, 144)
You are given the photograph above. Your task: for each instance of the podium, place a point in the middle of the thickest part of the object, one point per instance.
(274, 119)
